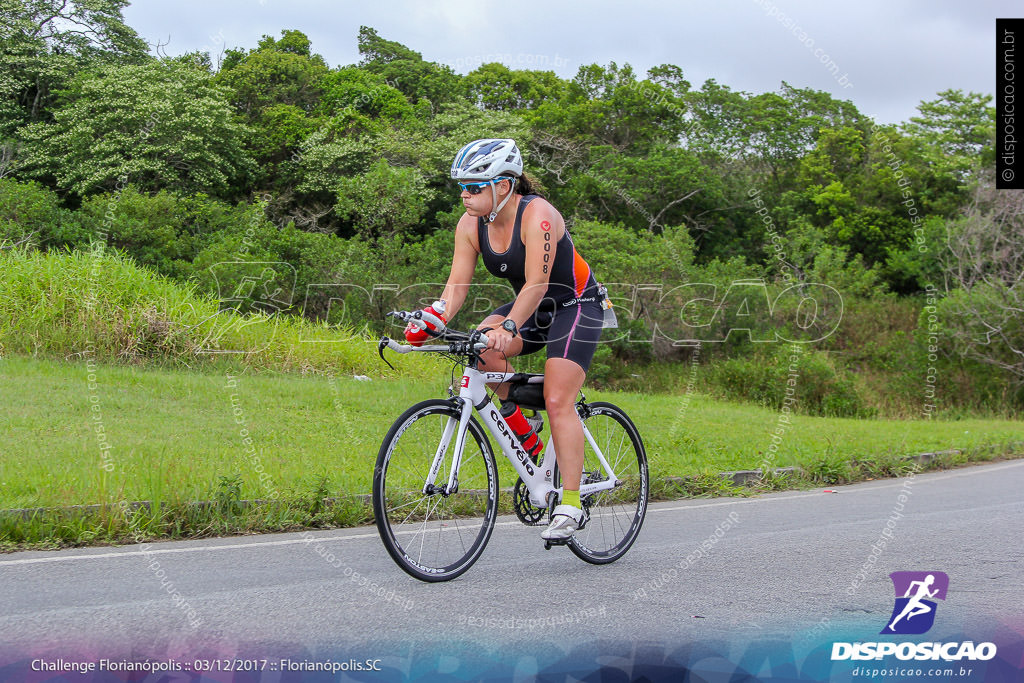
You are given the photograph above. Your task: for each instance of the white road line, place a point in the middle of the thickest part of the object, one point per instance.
(165, 551)
(195, 549)
(295, 541)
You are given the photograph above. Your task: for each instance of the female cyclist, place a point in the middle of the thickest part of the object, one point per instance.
(523, 239)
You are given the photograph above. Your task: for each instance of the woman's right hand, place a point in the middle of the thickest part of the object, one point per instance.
(499, 339)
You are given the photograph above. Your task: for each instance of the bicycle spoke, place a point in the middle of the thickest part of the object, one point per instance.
(417, 502)
(458, 530)
(407, 517)
(426, 518)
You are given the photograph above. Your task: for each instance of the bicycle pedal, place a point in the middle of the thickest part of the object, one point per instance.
(553, 541)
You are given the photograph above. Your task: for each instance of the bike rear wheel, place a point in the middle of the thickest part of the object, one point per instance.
(616, 514)
(434, 536)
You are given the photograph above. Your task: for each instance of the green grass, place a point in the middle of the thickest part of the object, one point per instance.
(92, 341)
(176, 438)
(101, 306)
(174, 434)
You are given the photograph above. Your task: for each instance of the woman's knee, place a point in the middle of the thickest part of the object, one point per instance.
(491, 321)
(493, 362)
(562, 382)
(558, 401)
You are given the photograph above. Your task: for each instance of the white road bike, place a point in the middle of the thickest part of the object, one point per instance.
(435, 486)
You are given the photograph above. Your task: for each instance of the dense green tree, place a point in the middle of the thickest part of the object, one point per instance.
(282, 129)
(31, 215)
(292, 42)
(495, 86)
(44, 42)
(717, 117)
(406, 70)
(665, 187)
(958, 131)
(161, 125)
(383, 201)
(869, 196)
(782, 127)
(366, 93)
(609, 106)
(380, 51)
(846, 197)
(348, 141)
(147, 227)
(671, 77)
(277, 72)
(330, 154)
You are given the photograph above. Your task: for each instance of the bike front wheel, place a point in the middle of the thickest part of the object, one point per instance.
(616, 514)
(434, 534)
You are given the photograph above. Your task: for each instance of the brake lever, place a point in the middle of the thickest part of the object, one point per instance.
(474, 339)
(383, 344)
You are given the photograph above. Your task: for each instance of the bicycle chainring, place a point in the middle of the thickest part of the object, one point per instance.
(527, 512)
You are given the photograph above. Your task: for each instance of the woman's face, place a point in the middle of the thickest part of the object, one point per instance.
(481, 204)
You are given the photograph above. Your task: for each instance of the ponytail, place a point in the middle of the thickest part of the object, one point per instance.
(527, 185)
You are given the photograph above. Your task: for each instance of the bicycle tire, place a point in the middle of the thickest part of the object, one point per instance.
(616, 515)
(464, 519)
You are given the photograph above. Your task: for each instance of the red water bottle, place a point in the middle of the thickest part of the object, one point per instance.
(416, 336)
(516, 421)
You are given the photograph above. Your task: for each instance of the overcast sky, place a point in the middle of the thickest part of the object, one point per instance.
(893, 53)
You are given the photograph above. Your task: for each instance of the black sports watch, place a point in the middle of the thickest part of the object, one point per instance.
(510, 326)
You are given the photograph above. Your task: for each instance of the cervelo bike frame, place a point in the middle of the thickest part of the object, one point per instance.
(538, 477)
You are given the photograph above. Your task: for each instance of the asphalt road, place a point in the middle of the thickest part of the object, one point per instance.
(788, 566)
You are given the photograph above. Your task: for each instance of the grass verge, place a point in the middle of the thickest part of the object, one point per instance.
(103, 308)
(224, 435)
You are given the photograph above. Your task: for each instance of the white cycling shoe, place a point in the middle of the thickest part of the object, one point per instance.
(565, 520)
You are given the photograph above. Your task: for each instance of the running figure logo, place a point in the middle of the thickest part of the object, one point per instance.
(914, 613)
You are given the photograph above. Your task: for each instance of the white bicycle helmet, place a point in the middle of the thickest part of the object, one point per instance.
(489, 159)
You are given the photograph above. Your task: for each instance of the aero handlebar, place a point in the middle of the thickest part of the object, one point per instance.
(462, 343)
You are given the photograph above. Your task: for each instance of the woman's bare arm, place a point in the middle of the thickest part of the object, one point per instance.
(463, 267)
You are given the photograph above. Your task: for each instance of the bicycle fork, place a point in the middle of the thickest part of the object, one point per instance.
(462, 425)
(473, 393)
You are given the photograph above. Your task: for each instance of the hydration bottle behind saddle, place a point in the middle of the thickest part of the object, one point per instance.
(516, 421)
